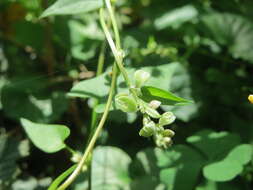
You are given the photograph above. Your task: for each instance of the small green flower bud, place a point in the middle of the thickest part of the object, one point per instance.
(154, 104)
(140, 78)
(167, 142)
(164, 142)
(145, 120)
(76, 157)
(126, 103)
(168, 133)
(152, 112)
(167, 118)
(148, 130)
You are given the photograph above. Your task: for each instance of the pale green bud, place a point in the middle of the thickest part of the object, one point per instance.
(148, 129)
(168, 133)
(167, 142)
(152, 112)
(167, 118)
(145, 120)
(76, 157)
(140, 78)
(154, 104)
(164, 142)
(126, 103)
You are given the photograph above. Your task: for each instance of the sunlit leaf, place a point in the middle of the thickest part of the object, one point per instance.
(110, 169)
(150, 93)
(65, 7)
(176, 17)
(48, 138)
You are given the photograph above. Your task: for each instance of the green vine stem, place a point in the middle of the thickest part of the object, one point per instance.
(101, 60)
(118, 55)
(92, 142)
(94, 115)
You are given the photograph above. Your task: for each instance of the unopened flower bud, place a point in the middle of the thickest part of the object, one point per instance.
(145, 120)
(148, 130)
(167, 142)
(167, 118)
(251, 98)
(76, 157)
(140, 78)
(152, 112)
(164, 142)
(126, 103)
(154, 104)
(168, 133)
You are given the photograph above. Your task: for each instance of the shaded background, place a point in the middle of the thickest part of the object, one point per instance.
(201, 50)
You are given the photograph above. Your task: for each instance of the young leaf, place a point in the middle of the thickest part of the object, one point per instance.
(60, 178)
(150, 93)
(66, 7)
(48, 138)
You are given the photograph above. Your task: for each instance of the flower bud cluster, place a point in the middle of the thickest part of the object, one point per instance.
(161, 135)
(132, 103)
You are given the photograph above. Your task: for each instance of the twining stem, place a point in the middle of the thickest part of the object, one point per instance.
(114, 23)
(101, 60)
(92, 142)
(117, 53)
(116, 49)
(94, 115)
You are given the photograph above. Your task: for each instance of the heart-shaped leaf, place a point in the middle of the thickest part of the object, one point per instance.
(48, 138)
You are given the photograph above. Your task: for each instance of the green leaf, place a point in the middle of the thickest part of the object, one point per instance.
(146, 169)
(98, 87)
(37, 103)
(181, 163)
(150, 93)
(230, 166)
(241, 153)
(170, 167)
(66, 7)
(207, 141)
(176, 17)
(89, 88)
(222, 171)
(48, 138)
(110, 169)
(233, 31)
(223, 163)
(61, 177)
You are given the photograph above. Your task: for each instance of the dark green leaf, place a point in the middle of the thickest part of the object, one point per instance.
(30, 100)
(207, 141)
(231, 30)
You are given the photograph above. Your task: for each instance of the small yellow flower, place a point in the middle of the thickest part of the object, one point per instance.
(251, 98)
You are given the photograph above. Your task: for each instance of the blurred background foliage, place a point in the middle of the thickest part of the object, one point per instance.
(198, 49)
